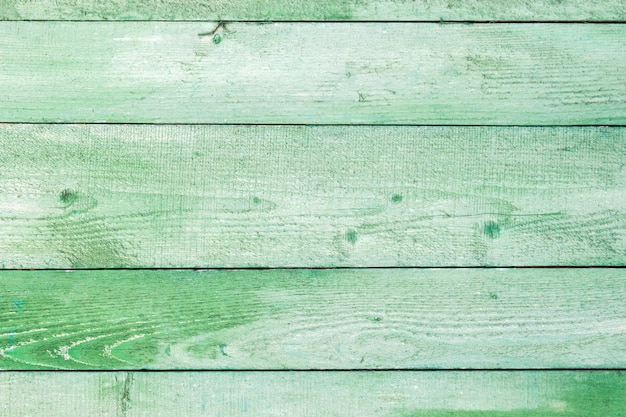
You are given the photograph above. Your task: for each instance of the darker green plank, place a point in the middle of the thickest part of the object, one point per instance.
(330, 73)
(345, 394)
(313, 319)
(562, 10)
(87, 196)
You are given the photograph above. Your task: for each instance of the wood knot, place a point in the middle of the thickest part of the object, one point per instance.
(491, 230)
(351, 236)
(67, 196)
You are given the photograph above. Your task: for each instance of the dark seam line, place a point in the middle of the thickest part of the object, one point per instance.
(308, 124)
(333, 370)
(317, 268)
(400, 21)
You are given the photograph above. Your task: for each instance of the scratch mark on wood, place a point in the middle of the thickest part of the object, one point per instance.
(125, 400)
(215, 33)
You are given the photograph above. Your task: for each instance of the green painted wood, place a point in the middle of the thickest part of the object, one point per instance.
(588, 10)
(345, 394)
(313, 73)
(87, 196)
(313, 319)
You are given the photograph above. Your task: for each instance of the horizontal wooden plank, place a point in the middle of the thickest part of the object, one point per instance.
(90, 196)
(313, 319)
(346, 10)
(313, 73)
(358, 394)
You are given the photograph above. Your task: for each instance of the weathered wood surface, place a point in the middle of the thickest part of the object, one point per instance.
(88, 196)
(313, 319)
(299, 394)
(313, 73)
(346, 10)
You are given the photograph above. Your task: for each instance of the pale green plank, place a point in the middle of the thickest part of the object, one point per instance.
(325, 73)
(313, 319)
(588, 10)
(345, 394)
(243, 196)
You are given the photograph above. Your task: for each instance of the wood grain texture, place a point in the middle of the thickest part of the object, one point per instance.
(346, 10)
(298, 394)
(88, 196)
(313, 319)
(313, 73)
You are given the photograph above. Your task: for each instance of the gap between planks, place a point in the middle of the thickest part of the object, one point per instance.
(321, 125)
(320, 268)
(305, 371)
(389, 22)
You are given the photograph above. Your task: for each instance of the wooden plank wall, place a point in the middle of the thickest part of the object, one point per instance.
(313, 208)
